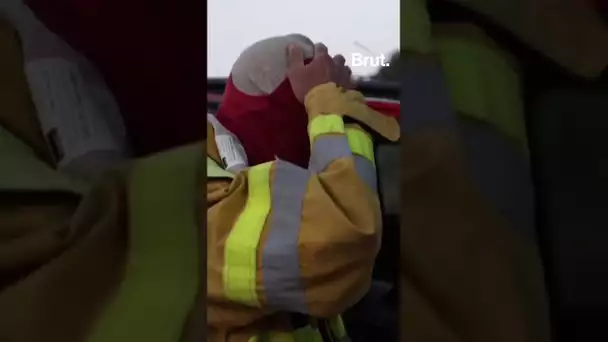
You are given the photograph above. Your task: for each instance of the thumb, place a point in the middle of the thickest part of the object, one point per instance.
(295, 56)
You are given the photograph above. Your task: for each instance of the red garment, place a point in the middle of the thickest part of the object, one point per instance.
(268, 126)
(275, 125)
(152, 55)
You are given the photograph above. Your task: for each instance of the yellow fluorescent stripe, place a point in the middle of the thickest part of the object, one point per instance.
(282, 337)
(308, 334)
(305, 334)
(242, 243)
(323, 124)
(337, 327)
(216, 171)
(361, 143)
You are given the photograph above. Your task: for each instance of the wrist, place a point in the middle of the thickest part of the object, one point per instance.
(325, 99)
(351, 123)
(350, 105)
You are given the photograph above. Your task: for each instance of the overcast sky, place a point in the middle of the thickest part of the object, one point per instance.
(341, 24)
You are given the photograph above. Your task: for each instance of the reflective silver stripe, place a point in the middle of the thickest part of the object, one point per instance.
(326, 149)
(329, 148)
(280, 257)
(424, 89)
(502, 173)
(236, 169)
(367, 171)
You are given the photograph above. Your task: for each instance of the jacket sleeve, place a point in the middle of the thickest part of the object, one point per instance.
(467, 274)
(302, 240)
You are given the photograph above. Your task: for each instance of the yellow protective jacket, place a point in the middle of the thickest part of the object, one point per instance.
(569, 32)
(470, 267)
(118, 261)
(282, 239)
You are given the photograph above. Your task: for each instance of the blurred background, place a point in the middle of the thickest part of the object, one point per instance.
(346, 27)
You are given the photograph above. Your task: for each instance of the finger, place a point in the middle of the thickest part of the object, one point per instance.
(349, 71)
(339, 60)
(355, 96)
(320, 49)
(295, 56)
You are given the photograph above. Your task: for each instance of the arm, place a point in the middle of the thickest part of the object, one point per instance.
(299, 240)
(467, 274)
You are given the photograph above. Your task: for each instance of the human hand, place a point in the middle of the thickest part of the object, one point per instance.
(343, 73)
(303, 78)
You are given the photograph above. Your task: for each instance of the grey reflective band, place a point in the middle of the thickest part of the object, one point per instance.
(424, 89)
(367, 171)
(501, 172)
(280, 256)
(326, 149)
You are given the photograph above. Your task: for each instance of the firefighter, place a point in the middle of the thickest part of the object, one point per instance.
(125, 259)
(293, 218)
